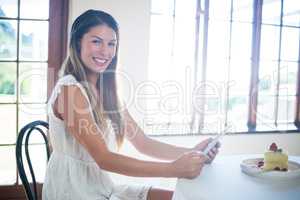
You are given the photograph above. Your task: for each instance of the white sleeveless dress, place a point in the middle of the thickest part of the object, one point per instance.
(72, 174)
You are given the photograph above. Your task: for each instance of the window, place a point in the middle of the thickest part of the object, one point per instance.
(223, 65)
(27, 70)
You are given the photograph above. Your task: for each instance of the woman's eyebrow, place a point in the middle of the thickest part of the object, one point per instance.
(99, 38)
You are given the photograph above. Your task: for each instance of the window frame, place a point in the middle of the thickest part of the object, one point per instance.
(257, 23)
(202, 11)
(57, 50)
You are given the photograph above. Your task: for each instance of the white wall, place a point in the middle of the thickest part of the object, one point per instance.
(134, 20)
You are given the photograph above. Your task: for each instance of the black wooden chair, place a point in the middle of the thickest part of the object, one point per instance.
(24, 135)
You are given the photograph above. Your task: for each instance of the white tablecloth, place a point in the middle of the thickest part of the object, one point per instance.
(224, 180)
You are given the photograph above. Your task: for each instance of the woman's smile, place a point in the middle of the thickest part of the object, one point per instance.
(100, 61)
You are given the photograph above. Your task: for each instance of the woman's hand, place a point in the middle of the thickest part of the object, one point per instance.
(189, 164)
(212, 153)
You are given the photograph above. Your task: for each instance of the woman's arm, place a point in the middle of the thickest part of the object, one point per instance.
(73, 108)
(147, 145)
(157, 149)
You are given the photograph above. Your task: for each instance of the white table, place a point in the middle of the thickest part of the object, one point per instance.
(224, 180)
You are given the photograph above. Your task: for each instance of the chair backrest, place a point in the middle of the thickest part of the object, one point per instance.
(24, 134)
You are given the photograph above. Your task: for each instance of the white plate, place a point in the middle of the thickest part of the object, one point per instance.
(249, 166)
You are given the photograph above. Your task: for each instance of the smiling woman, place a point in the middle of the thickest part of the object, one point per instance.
(87, 126)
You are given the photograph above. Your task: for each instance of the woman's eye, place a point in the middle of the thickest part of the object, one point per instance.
(96, 41)
(112, 44)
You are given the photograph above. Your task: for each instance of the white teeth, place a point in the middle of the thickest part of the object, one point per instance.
(99, 60)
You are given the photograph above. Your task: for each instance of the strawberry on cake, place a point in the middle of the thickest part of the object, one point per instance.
(274, 159)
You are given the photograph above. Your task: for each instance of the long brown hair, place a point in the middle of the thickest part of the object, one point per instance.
(109, 102)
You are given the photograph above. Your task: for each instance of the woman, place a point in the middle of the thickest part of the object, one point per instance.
(87, 126)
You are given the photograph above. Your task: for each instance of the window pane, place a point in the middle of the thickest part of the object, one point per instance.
(219, 9)
(265, 109)
(214, 99)
(8, 76)
(286, 108)
(151, 91)
(243, 10)
(29, 113)
(34, 9)
(269, 42)
(271, 12)
(218, 44)
(214, 106)
(288, 78)
(291, 12)
(241, 40)
(33, 82)
(182, 60)
(185, 9)
(184, 41)
(160, 47)
(267, 78)
(8, 115)
(184, 44)
(213, 124)
(290, 44)
(33, 40)
(9, 8)
(162, 7)
(238, 112)
(8, 39)
(219, 66)
(276, 127)
(286, 126)
(266, 126)
(171, 101)
(7, 165)
(239, 78)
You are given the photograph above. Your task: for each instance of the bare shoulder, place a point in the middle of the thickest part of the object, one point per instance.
(70, 100)
(73, 106)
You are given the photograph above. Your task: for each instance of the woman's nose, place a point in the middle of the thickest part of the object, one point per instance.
(104, 49)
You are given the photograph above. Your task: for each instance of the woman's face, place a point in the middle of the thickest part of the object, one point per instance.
(98, 48)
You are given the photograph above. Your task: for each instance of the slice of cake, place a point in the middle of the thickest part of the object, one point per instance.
(275, 159)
